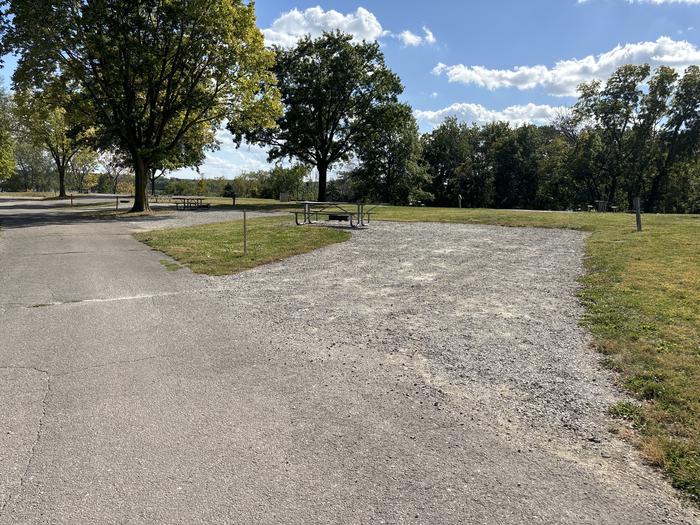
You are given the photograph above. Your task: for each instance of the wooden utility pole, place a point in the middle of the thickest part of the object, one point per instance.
(245, 234)
(638, 212)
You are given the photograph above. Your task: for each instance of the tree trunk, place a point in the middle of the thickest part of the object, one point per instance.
(322, 178)
(141, 172)
(61, 182)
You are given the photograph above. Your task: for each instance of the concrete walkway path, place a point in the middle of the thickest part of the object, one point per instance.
(132, 394)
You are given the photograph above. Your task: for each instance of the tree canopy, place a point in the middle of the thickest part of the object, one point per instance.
(149, 73)
(48, 119)
(391, 169)
(646, 123)
(7, 143)
(330, 90)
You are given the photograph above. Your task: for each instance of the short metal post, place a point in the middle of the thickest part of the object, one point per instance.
(638, 212)
(245, 233)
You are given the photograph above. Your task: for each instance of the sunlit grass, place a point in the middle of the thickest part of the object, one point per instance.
(217, 249)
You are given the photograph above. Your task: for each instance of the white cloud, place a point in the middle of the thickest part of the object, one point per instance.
(478, 114)
(295, 24)
(410, 39)
(565, 76)
(286, 30)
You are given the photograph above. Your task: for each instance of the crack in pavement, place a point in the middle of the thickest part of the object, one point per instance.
(116, 299)
(105, 300)
(40, 426)
(113, 363)
(93, 252)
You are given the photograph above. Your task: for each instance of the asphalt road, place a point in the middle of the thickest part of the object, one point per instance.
(416, 374)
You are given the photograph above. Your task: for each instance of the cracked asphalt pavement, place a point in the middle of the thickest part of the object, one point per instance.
(418, 373)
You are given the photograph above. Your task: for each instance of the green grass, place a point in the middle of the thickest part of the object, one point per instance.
(217, 249)
(170, 266)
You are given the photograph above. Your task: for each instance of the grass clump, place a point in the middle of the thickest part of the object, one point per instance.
(170, 265)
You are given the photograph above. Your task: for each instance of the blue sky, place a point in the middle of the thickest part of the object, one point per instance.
(516, 60)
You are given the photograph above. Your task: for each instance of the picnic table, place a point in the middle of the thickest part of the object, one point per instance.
(354, 213)
(190, 203)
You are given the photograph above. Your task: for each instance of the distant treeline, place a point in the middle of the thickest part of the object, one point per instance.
(636, 135)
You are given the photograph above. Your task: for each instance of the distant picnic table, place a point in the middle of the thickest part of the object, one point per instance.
(354, 213)
(190, 203)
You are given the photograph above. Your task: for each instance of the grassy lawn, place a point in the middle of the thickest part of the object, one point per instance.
(217, 249)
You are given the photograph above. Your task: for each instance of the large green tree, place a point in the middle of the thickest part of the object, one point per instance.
(149, 71)
(679, 140)
(7, 143)
(446, 150)
(35, 169)
(646, 123)
(48, 119)
(330, 88)
(389, 154)
(613, 110)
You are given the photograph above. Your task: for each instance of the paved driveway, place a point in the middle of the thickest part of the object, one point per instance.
(415, 374)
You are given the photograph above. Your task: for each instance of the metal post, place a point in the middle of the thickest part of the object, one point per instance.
(245, 234)
(638, 211)
(116, 200)
(459, 197)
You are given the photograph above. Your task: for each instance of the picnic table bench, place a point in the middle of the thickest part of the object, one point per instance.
(333, 211)
(162, 198)
(190, 203)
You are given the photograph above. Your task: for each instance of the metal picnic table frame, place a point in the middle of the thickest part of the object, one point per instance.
(189, 202)
(339, 210)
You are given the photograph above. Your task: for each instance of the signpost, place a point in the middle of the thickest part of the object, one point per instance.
(245, 234)
(638, 212)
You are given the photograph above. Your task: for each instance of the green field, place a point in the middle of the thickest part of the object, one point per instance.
(641, 292)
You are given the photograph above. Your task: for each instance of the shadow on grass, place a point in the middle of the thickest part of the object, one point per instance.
(47, 218)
